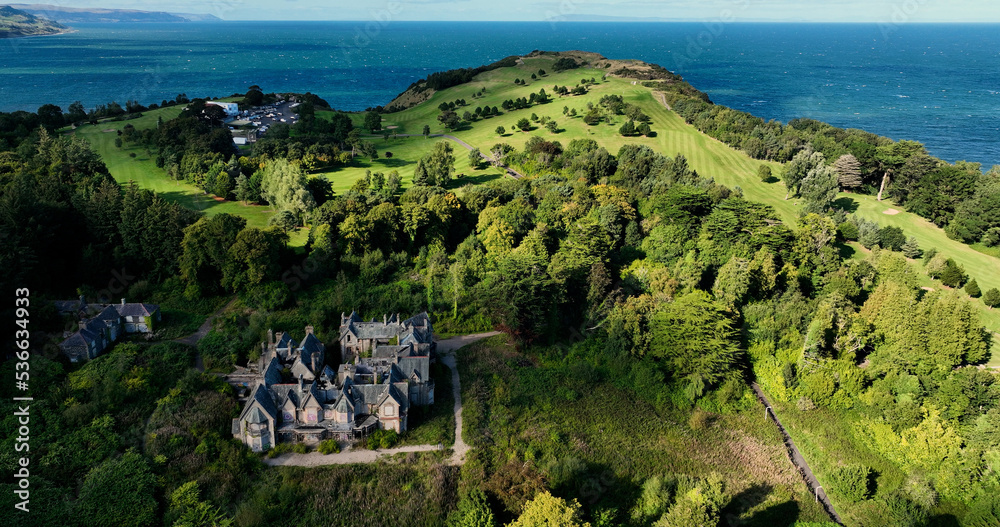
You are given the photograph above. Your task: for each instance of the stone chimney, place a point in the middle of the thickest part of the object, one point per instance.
(270, 336)
(123, 301)
(312, 360)
(277, 337)
(385, 319)
(300, 382)
(309, 330)
(82, 324)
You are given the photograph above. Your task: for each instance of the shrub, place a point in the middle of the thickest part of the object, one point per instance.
(382, 439)
(764, 173)
(329, 446)
(852, 482)
(892, 238)
(277, 450)
(973, 289)
(953, 275)
(847, 230)
(992, 298)
(300, 448)
(698, 419)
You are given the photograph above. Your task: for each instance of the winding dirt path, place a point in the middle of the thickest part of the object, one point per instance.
(446, 350)
(194, 338)
(797, 459)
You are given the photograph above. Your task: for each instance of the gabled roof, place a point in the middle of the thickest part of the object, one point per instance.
(300, 368)
(388, 352)
(286, 341)
(109, 314)
(136, 310)
(262, 398)
(344, 404)
(311, 344)
(256, 416)
(75, 345)
(394, 395)
(284, 393)
(272, 372)
(419, 365)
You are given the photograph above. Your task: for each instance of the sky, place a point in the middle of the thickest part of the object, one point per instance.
(877, 11)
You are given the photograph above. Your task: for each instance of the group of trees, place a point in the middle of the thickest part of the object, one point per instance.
(957, 197)
(67, 222)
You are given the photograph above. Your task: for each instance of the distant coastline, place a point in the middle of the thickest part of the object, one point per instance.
(54, 33)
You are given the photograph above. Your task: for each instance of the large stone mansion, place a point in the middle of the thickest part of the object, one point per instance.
(295, 397)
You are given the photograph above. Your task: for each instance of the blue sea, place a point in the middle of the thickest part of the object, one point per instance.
(937, 84)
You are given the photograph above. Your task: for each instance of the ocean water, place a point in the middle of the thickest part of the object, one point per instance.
(937, 84)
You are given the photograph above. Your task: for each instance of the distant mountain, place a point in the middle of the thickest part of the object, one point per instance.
(75, 15)
(17, 23)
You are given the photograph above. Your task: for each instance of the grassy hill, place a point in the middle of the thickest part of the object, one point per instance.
(142, 169)
(708, 156)
(17, 23)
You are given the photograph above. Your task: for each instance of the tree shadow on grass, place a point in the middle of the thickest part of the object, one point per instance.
(780, 515)
(477, 179)
(845, 251)
(846, 204)
(749, 498)
(393, 162)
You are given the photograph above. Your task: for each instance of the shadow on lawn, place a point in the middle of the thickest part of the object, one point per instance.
(846, 204)
(477, 179)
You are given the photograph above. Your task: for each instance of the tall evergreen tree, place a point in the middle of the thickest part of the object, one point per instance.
(848, 171)
(972, 288)
(911, 249)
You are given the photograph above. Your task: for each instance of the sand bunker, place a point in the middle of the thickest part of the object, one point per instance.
(891, 212)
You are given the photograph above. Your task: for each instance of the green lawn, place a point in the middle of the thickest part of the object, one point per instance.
(143, 170)
(708, 156)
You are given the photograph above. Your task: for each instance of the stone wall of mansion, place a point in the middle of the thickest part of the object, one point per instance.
(295, 397)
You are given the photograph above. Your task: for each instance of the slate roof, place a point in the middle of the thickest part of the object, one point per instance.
(65, 307)
(311, 344)
(136, 310)
(389, 352)
(76, 346)
(260, 395)
(290, 392)
(416, 329)
(419, 365)
(272, 372)
(344, 404)
(300, 368)
(286, 341)
(256, 416)
(109, 314)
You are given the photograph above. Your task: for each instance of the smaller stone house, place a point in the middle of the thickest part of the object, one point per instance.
(101, 325)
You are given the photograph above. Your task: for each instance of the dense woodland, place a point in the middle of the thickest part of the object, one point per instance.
(618, 270)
